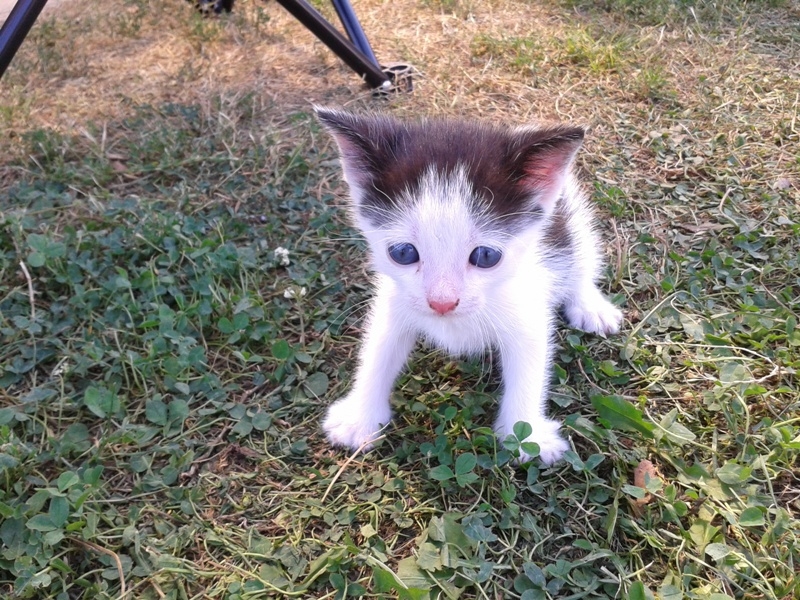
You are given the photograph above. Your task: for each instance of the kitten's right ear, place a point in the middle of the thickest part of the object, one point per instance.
(365, 143)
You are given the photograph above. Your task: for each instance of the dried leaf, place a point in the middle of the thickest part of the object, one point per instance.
(644, 472)
(782, 183)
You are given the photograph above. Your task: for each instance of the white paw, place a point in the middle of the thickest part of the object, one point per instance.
(597, 315)
(353, 423)
(545, 433)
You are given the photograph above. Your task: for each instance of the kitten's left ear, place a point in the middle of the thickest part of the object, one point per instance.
(541, 161)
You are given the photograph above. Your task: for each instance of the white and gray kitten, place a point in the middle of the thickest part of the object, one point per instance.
(478, 234)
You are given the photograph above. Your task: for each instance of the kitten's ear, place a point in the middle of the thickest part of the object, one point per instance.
(366, 143)
(541, 160)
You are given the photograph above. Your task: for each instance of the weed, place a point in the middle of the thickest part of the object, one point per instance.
(578, 48)
(461, 8)
(653, 84)
(673, 12)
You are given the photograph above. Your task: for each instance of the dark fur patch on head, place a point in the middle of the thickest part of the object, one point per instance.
(510, 170)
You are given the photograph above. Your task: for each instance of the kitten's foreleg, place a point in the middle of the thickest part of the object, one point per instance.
(526, 371)
(358, 418)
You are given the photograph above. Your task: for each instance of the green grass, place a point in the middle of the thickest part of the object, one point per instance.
(163, 372)
(675, 12)
(579, 48)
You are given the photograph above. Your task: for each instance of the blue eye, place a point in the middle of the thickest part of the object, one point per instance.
(484, 257)
(404, 254)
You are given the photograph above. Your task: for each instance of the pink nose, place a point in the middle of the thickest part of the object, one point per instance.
(443, 307)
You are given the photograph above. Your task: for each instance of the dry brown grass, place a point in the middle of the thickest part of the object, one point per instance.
(94, 61)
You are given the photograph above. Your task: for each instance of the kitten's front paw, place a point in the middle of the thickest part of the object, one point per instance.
(596, 316)
(352, 423)
(545, 433)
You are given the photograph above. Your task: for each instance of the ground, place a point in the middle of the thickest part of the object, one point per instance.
(163, 370)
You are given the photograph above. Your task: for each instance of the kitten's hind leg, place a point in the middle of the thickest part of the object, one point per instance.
(586, 308)
(357, 419)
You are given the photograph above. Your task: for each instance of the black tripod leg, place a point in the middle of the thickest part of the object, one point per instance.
(341, 46)
(17, 25)
(353, 28)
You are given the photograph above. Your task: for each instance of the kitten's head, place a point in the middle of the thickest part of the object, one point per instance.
(445, 205)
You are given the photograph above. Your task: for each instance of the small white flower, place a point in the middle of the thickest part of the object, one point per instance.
(281, 255)
(294, 292)
(61, 368)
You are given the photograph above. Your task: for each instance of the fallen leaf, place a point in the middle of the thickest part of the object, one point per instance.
(644, 472)
(782, 183)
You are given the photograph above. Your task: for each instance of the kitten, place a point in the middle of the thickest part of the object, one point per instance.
(477, 235)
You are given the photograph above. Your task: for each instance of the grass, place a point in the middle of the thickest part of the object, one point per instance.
(181, 296)
(579, 49)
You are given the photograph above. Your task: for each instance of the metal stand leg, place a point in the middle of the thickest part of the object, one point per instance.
(353, 28)
(341, 46)
(17, 25)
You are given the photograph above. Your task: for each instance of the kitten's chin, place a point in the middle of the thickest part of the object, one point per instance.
(455, 333)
